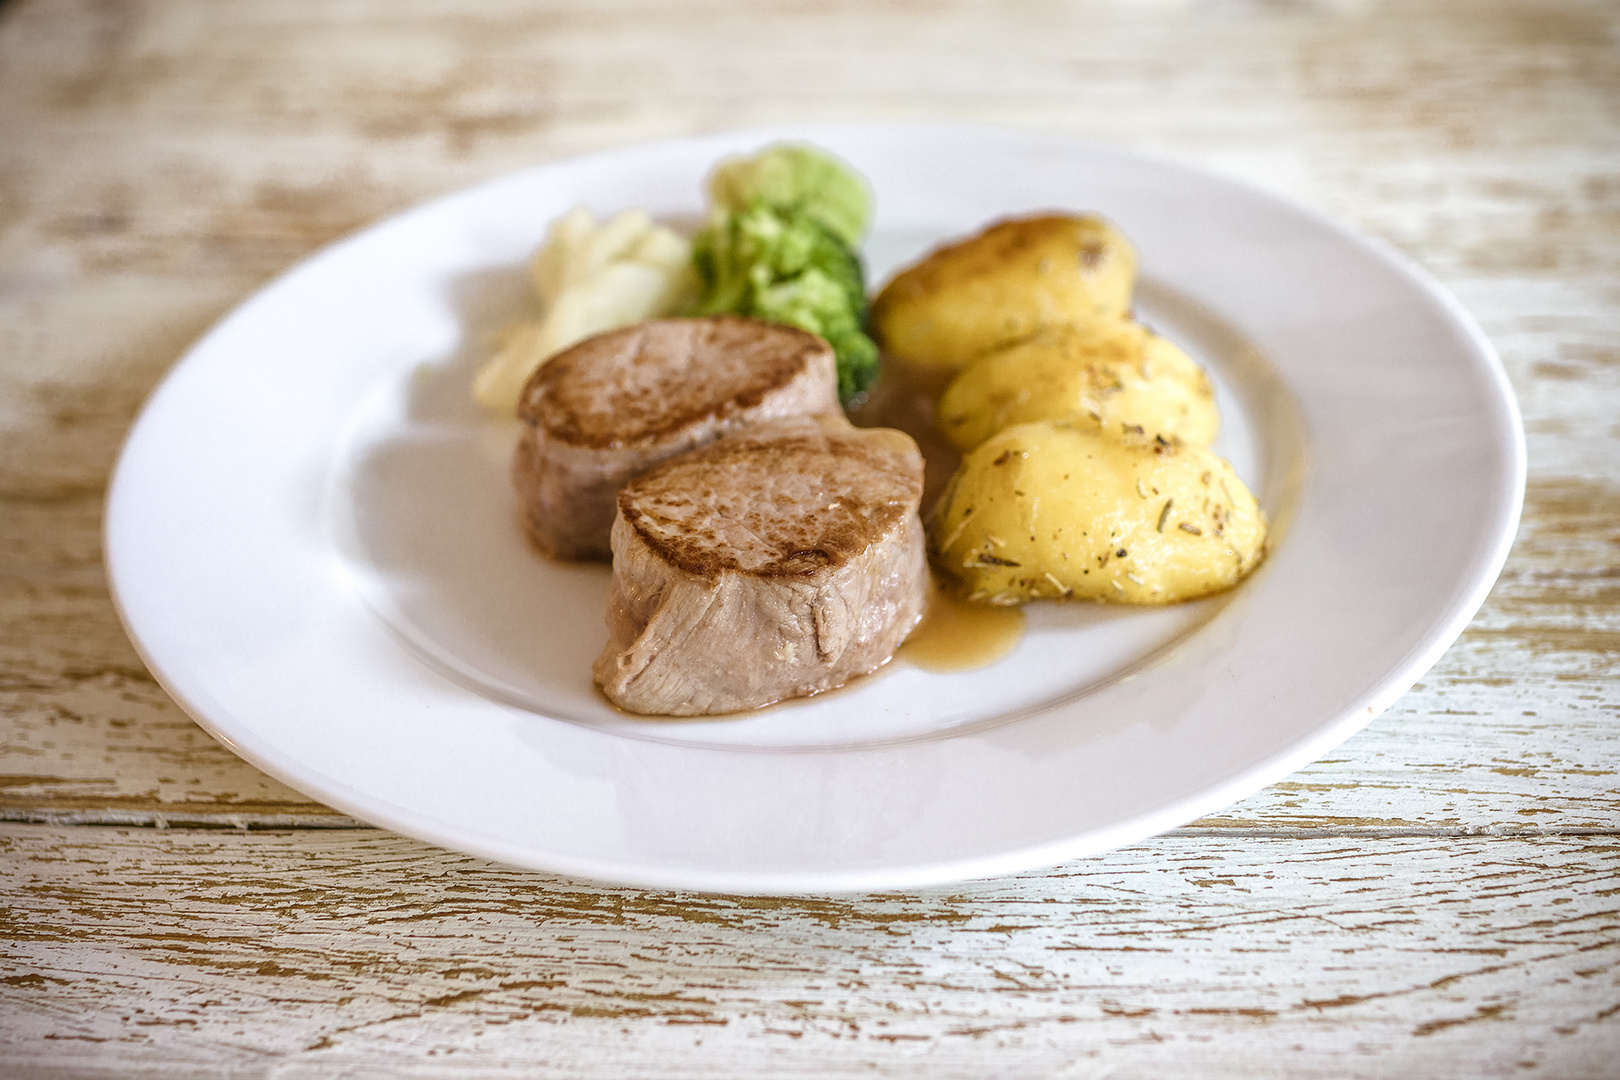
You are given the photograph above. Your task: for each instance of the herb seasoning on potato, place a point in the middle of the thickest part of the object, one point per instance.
(1117, 376)
(1010, 281)
(1054, 510)
(1087, 472)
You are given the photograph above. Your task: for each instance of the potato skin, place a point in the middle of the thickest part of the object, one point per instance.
(1049, 509)
(1008, 282)
(1114, 376)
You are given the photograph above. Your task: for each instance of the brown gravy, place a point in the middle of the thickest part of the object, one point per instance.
(955, 635)
(897, 404)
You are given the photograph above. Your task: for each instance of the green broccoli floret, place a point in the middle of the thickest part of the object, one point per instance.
(813, 301)
(796, 181)
(769, 251)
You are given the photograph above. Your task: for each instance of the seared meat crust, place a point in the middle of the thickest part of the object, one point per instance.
(777, 562)
(616, 404)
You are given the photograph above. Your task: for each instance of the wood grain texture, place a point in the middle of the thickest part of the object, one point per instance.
(1435, 898)
(351, 953)
(250, 134)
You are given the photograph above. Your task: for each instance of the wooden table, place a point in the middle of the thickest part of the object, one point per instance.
(1439, 898)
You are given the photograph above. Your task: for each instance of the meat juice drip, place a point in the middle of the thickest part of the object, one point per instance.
(894, 403)
(956, 635)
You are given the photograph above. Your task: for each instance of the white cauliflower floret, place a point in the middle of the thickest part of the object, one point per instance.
(589, 278)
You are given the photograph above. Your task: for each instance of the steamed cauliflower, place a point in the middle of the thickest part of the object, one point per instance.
(589, 277)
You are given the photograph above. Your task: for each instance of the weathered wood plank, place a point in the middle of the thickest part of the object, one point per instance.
(1437, 898)
(1515, 727)
(311, 953)
(160, 159)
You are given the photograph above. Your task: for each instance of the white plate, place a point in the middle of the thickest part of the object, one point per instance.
(312, 541)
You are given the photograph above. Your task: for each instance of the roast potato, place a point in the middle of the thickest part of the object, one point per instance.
(1008, 282)
(1115, 376)
(1054, 509)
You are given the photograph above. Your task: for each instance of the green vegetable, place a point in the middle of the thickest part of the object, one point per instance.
(780, 246)
(796, 181)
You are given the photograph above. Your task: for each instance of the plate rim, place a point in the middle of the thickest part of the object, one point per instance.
(1403, 673)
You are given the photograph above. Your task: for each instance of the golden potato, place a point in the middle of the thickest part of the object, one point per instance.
(1050, 509)
(1010, 281)
(1117, 376)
